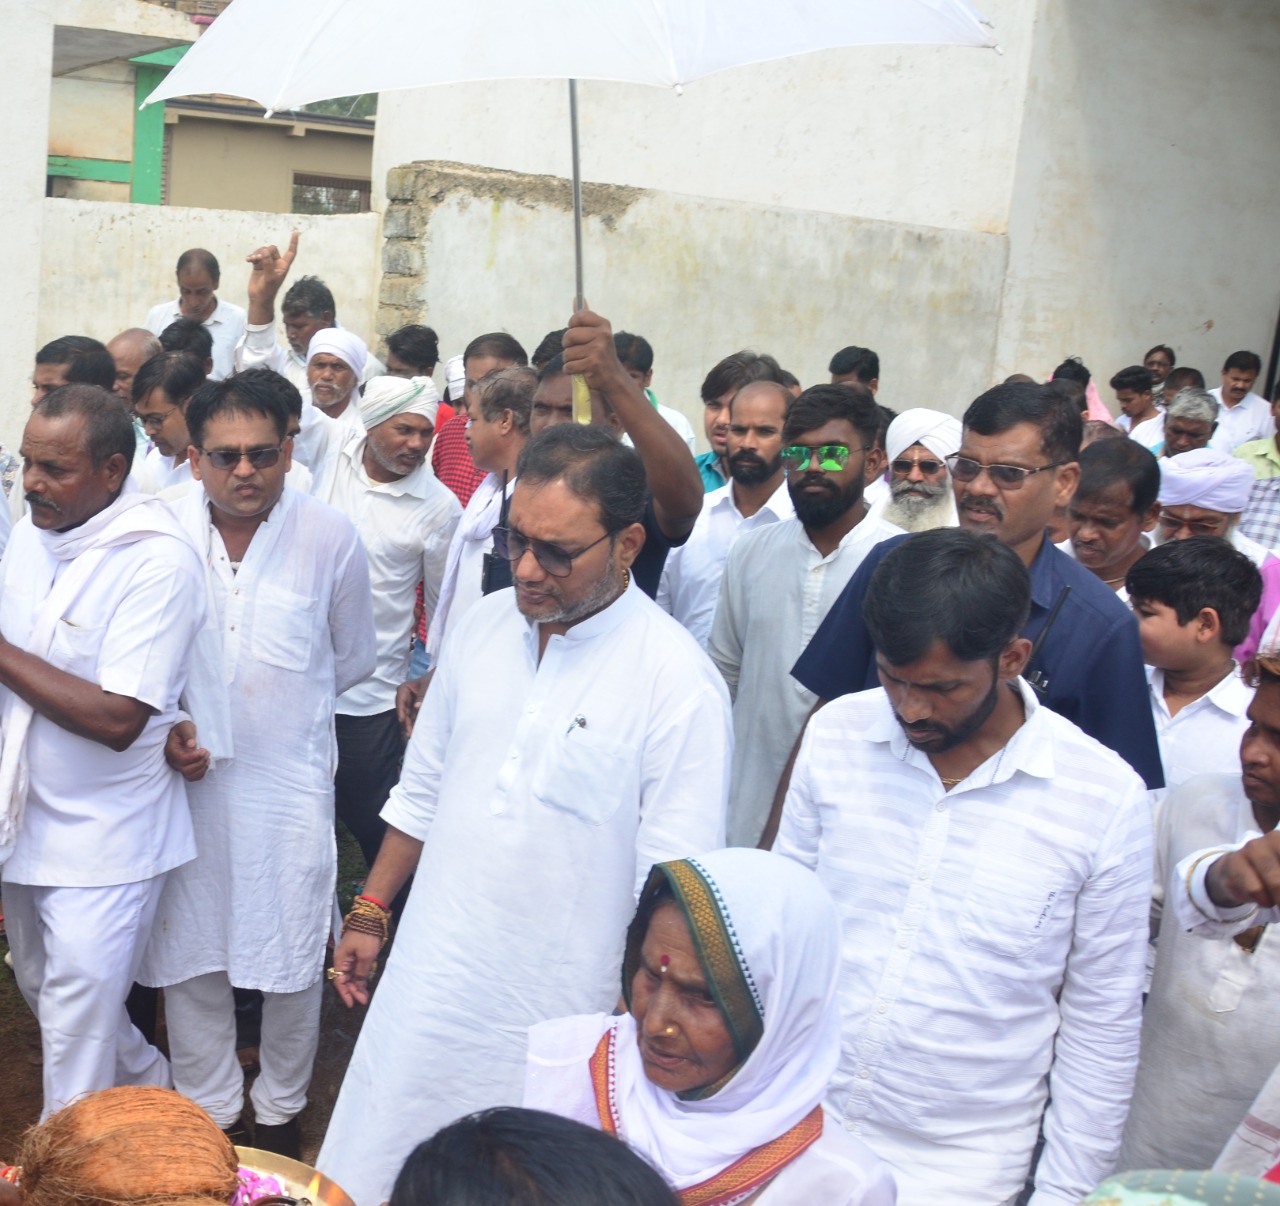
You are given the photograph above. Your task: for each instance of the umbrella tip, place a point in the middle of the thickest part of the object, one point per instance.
(679, 89)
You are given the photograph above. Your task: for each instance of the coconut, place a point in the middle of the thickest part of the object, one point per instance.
(128, 1146)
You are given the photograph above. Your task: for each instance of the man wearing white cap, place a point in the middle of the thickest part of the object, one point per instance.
(918, 442)
(381, 481)
(1202, 493)
(335, 362)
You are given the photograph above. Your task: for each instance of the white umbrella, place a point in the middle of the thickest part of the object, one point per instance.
(287, 53)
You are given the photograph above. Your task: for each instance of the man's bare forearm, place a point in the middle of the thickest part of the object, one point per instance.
(72, 703)
(397, 860)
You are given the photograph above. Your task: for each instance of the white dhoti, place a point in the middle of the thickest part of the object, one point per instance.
(202, 1044)
(76, 953)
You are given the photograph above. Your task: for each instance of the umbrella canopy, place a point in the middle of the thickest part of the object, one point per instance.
(287, 53)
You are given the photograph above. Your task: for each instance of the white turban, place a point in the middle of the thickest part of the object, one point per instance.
(455, 377)
(939, 433)
(386, 397)
(1205, 477)
(345, 345)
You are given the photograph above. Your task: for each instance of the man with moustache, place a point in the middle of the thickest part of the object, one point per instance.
(920, 496)
(1113, 509)
(198, 276)
(1017, 464)
(755, 496)
(291, 627)
(101, 601)
(380, 480)
(718, 388)
(572, 736)
(992, 867)
(779, 581)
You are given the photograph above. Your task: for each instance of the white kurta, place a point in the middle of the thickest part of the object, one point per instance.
(1211, 1031)
(1203, 738)
(225, 325)
(405, 527)
(690, 583)
(97, 816)
(777, 588)
(297, 628)
(543, 792)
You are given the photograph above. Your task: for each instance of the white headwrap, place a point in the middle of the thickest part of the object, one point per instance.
(1205, 477)
(345, 345)
(939, 433)
(455, 377)
(386, 397)
(785, 937)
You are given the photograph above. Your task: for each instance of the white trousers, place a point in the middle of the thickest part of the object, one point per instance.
(76, 952)
(200, 1015)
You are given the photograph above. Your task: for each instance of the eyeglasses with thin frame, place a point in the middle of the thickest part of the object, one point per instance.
(1171, 525)
(831, 457)
(1004, 477)
(230, 458)
(512, 544)
(154, 422)
(904, 465)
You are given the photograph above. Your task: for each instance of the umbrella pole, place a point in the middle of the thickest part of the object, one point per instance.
(581, 392)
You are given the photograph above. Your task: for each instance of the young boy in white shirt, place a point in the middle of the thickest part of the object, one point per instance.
(1194, 599)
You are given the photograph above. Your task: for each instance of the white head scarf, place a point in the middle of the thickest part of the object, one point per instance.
(939, 433)
(386, 397)
(345, 345)
(1205, 477)
(455, 377)
(777, 930)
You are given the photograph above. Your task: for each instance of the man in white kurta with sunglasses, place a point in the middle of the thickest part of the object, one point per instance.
(573, 735)
(292, 627)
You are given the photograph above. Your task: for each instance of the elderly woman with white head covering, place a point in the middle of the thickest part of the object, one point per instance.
(335, 361)
(1202, 493)
(717, 1074)
(918, 442)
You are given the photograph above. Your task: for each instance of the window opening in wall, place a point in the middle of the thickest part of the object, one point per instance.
(329, 194)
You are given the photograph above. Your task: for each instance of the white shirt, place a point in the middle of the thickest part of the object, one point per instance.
(226, 324)
(405, 527)
(95, 816)
(538, 831)
(1149, 433)
(296, 627)
(1211, 1032)
(259, 348)
(1249, 419)
(984, 929)
(160, 473)
(690, 583)
(776, 590)
(682, 426)
(1204, 737)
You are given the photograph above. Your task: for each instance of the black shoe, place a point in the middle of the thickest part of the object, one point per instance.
(284, 1139)
(238, 1133)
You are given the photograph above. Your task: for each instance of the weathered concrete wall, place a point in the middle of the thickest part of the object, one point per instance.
(1147, 184)
(471, 250)
(105, 265)
(912, 134)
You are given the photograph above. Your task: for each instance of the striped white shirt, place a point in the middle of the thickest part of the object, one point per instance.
(994, 942)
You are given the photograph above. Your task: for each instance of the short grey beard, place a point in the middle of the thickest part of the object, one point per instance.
(607, 588)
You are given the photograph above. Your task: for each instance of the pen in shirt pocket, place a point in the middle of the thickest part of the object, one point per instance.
(578, 722)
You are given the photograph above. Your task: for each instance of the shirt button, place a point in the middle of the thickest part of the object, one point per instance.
(924, 874)
(864, 1073)
(515, 754)
(941, 806)
(531, 709)
(882, 1009)
(902, 942)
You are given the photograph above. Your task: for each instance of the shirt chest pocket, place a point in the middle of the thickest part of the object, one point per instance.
(1010, 909)
(75, 649)
(283, 628)
(586, 775)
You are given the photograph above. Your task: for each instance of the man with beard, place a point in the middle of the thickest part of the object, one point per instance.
(572, 736)
(992, 867)
(755, 495)
(718, 388)
(1016, 466)
(917, 443)
(780, 580)
(380, 480)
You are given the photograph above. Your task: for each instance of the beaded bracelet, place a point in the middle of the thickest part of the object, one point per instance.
(11, 1173)
(368, 916)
